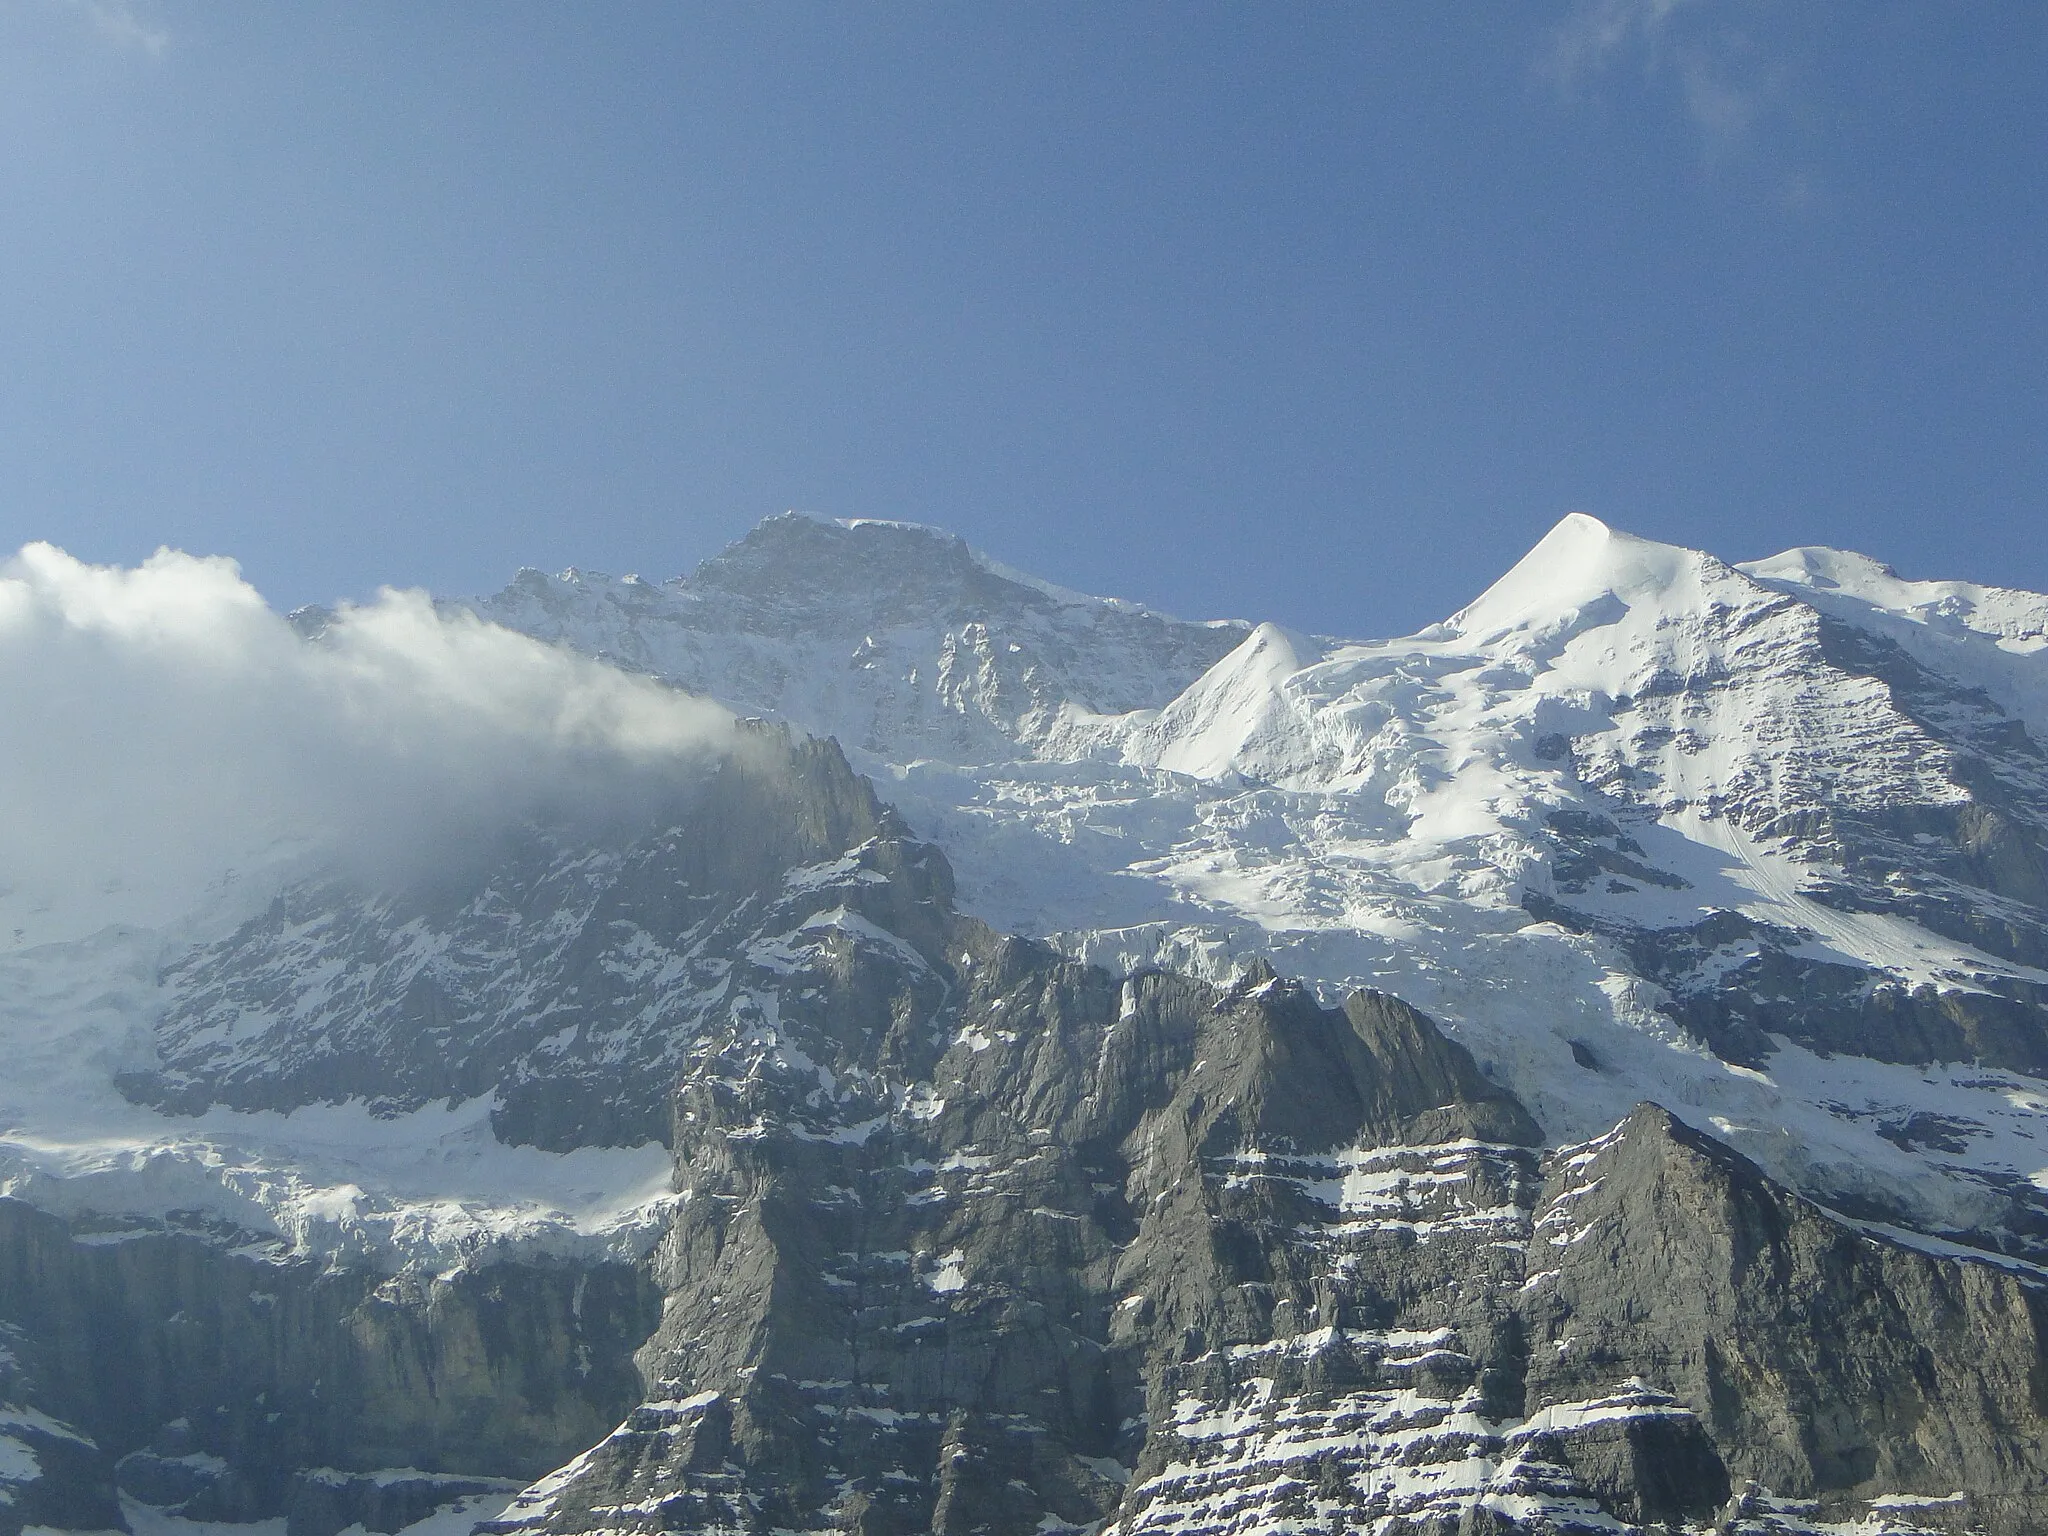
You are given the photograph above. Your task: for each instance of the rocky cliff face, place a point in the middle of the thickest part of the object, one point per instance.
(1152, 1256)
(563, 976)
(969, 1236)
(218, 1378)
(274, 1363)
(1822, 1363)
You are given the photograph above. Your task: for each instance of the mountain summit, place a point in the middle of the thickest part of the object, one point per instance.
(1579, 565)
(891, 637)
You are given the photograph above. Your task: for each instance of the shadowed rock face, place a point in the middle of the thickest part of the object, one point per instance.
(221, 1372)
(1824, 1363)
(561, 971)
(957, 1293)
(1188, 1260)
(1193, 1260)
(50, 1474)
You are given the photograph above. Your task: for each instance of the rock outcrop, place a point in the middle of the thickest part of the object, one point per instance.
(563, 970)
(1793, 810)
(1826, 1364)
(207, 1371)
(1166, 1258)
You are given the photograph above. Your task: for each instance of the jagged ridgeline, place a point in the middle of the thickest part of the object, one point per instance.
(969, 1236)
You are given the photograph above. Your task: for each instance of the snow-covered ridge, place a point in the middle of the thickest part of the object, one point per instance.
(1988, 638)
(2017, 620)
(1581, 820)
(890, 637)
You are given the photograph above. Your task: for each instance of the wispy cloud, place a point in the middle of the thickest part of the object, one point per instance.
(1699, 50)
(122, 24)
(1598, 33)
(164, 726)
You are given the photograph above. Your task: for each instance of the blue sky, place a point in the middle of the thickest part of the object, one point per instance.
(1316, 313)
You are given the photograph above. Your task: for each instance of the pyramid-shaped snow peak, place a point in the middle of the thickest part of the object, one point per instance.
(1236, 716)
(1583, 570)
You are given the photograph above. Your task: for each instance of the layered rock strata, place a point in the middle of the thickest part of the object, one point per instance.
(1155, 1257)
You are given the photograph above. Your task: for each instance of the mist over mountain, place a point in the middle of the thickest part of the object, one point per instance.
(1050, 1065)
(171, 729)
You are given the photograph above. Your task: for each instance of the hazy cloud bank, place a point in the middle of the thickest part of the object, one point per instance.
(162, 726)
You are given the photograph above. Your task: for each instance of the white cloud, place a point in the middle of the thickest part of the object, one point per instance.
(122, 24)
(1723, 81)
(1598, 32)
(163, 726)
(1721, 106)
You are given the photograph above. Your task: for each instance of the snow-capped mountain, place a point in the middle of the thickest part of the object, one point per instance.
(695, 1145)
(891, 638)
(1762, 843)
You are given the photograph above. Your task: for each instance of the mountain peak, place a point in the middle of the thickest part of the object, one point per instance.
(882, 555)
(1836, 577)
(1580, 564)
(888, 635)
(798, 552)
(1816, 565)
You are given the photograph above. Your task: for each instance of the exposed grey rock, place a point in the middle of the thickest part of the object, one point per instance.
(1955, 845)
(1188, 1260)
(977, 1238)
(1640, 1454)
(1826, 1363)
(218, 1376)
(1021, 1273)
(1975, 870)
(1741, 986)
(195, 1485)
(1723, 775)
(325, 1502)
(50, 1474)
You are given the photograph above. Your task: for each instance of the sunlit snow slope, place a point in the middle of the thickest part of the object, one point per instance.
(1760, 843)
